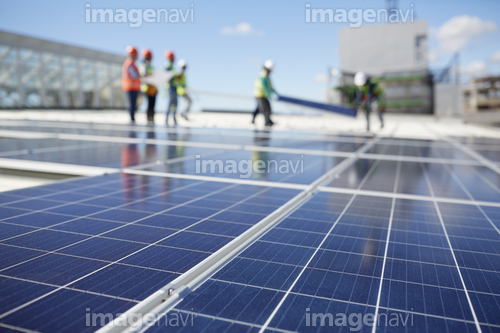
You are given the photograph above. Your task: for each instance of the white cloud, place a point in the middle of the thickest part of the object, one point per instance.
(474, 69)
(321, 78)
(455, 33)
(495, 57)
(243, 28)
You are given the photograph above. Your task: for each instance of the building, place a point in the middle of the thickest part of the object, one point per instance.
(482, 100)
(395, 53)
(384, 48)
(37, 73)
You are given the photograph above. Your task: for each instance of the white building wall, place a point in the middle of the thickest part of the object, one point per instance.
(377, 49)
(448, 100)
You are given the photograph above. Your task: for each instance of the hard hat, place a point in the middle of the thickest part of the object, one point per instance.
(269, 64)
(131, 51)
(146, 53)
(360, 79)
(181, 63)
(169, 55)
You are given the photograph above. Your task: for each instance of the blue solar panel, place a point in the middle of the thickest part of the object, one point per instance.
(16, 147)
(420, 277)
(276, 167)
(100, 239)
(448, 181)
(111, 155)
(420, 149)
(73, 304)
(409, 230)
(233, 136)
(347, 111)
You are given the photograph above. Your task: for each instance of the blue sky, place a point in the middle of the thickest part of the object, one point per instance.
(230, 62)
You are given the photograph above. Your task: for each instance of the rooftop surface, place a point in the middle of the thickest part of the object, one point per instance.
(232, 227)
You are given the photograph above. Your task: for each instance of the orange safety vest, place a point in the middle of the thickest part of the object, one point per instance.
(129, 83)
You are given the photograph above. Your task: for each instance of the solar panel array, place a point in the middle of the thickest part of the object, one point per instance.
(394, 234)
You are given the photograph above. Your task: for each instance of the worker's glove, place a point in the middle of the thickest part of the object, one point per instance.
(382, 109)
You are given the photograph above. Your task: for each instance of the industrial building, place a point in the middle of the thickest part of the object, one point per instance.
(482, 100)
(37, 73)
(396, 54)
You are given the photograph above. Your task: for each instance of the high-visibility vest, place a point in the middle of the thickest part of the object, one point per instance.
(181, 85)
(259, 89)
(371, 91)
(130, 83)
(148, 89)
(173, 82)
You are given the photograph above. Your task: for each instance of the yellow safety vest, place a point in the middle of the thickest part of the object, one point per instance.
(174, 81)
(148, 89)
(259, 89)
(181, 85)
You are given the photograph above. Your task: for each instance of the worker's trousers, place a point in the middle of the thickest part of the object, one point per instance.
(172, 104)
(255, 113)
(187, 99)
(132, 99)
(151, 108)
(368, 109)
(265, 109)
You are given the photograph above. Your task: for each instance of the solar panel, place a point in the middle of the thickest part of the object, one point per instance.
(400, 234)
(456, 181)
(276, 167)
(103, 241)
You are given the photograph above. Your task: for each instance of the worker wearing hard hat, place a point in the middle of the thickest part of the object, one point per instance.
(131, 80)
(263, 89)
(182, 87)
(171, 86)
(150, 90)
(369, 91)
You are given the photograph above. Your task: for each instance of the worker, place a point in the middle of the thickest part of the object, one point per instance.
(171, 86)
(369, 91)
(131, 81)
(263, 89)
(182, 87)
(150, 90)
